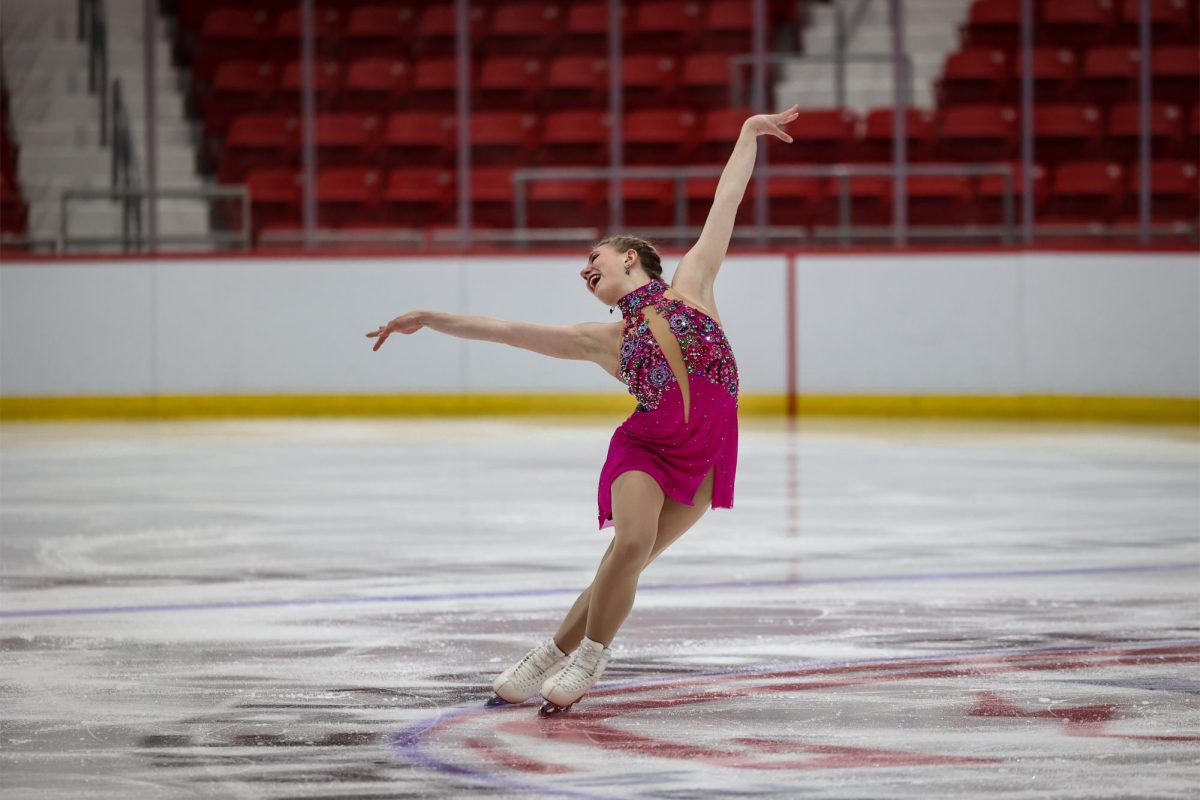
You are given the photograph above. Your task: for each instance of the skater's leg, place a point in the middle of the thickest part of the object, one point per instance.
(674, 520)
(570, 632)
(637, 504)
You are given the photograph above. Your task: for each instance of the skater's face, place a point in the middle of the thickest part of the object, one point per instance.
(605, 274)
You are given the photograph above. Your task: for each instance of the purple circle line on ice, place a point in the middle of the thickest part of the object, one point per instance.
(666, 587)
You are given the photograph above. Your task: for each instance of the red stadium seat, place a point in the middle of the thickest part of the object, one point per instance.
(1169, 23)
(990, 194)
(585, 31)
(575, 138)
(659, 137)
(1064, 132)
(717, 133)
(1124, 130)
(820, 135)
(374, 84)
(1175, 70)
(870, 199)
(328, 82)
(728, 27)
(705, 81)
(492, 197)
(327, 30)
(503, 137)
(648, 80)
(348, 196)
(938, 199)
(1191, 142)
(274, 197)
(347, 139)
(979, 133)
(238, 87)
(418, 197)
(1110, 74)
(437, 29)
(648, 202)
(434, 85)
(976, 75)
(257, 141)
(993, 23)
(574, 82)
(522, 29)
(419, 138)
(1055, 72)
(508, 82)
(794, 200)
(1173, 192)
(378, 31)
(229, 33)
(879, 134)
(1077, 23)
(664, 27)
(566, 204)
(1086, 191)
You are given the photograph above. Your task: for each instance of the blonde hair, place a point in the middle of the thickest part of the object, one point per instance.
(648, 257)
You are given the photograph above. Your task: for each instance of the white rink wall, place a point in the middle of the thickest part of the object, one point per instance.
(1003, 323)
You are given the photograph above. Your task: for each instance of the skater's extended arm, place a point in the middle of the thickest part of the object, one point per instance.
(587, 341)
(697, 270)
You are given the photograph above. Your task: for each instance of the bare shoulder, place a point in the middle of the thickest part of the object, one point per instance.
(601, 342)
(694, 297)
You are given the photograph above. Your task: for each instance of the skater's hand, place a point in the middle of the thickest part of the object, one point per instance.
(773, 123)
(406, 323)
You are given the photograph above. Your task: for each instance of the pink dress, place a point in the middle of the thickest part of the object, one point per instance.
(675, 442)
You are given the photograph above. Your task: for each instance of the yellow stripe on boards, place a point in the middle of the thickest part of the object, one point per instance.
(1172, 410)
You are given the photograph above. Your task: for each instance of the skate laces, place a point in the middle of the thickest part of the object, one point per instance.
(584, 669)
(542, 657)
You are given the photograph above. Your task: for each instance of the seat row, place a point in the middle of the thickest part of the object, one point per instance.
(1080, 23)
(679, 137)
(1085, 191)
(509, 82)
(1103, 74)
(522, 28)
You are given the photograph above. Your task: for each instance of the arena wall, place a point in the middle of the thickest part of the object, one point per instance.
(874, 333)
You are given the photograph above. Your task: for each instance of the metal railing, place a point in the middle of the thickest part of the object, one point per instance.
(132, 199)
(126, 181)
(93, 28)
(841, 173)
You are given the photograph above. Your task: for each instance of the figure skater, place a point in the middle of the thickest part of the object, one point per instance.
(677, 452)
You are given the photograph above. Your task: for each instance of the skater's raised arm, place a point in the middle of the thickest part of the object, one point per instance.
(698, 269)
(587, 341)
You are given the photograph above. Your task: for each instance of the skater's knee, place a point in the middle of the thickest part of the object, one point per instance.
(632, 549)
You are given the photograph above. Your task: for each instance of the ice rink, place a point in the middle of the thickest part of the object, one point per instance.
(316, 609)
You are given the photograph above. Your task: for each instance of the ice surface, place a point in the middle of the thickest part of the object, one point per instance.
(316, 608)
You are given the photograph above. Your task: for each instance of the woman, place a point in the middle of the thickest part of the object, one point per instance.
(675, 455)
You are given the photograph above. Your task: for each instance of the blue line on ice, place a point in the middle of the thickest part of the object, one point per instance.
(666, 587)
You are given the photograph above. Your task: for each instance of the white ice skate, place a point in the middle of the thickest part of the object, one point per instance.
(563, 689)
(522, 680)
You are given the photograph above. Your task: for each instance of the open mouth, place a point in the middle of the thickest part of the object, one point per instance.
(593, 282)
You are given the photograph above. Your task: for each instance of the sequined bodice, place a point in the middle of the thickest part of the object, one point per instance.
(644, 367)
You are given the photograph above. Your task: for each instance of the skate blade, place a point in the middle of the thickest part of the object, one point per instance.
(497, 700)
(549, 709)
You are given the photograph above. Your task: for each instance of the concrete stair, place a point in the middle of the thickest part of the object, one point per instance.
(56, 119)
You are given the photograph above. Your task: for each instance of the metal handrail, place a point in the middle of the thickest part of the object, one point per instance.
(132, 197)
(93, 27)
(842, 172)
(126, 177)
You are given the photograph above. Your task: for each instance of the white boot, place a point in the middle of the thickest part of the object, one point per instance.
(561, 690)
(522, 680)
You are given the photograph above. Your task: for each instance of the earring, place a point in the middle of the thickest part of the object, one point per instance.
(610, 309)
